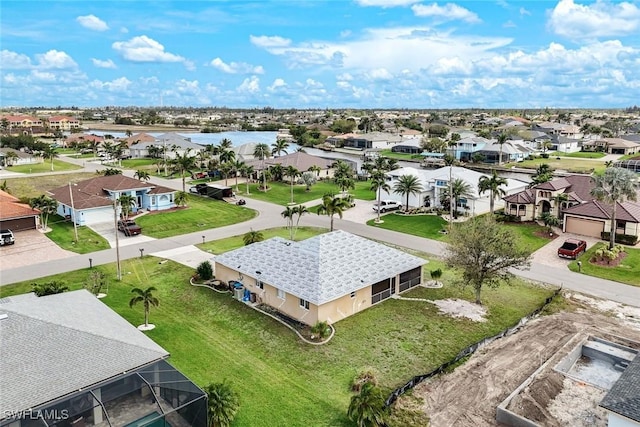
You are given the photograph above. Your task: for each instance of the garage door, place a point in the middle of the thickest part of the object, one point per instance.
(584, 227)
(96, 216)
(19, 224)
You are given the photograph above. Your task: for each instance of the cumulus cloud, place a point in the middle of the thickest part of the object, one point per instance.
(55, 59)
(277, 84)
(236, 67)
(380, 74)
(14, 61)
(524, 12)
(43, 76)
(103, 64)
(386, 3)
(121, 84)
(448, 12)
(250, 85)
(92, 22)
(269, 41)
(144, 49)
(600, 19)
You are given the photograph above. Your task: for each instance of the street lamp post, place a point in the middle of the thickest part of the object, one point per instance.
(73, 214)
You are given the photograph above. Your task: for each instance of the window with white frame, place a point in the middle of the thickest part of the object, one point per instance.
(280, 293)
(304, 304)
(259, 284)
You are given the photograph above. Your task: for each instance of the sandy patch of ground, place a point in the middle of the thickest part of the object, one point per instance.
(461, 308)
(470, 394)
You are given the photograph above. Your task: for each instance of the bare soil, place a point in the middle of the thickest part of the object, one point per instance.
(470, 394)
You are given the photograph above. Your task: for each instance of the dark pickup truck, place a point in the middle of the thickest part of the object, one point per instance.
(129, 227)
(572, 248)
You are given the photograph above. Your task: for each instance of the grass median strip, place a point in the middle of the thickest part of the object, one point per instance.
(628, 271)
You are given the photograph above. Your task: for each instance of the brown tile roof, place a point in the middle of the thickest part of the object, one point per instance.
(577, 187)
(93, 193)
(523, 197)
(301, 161)
(626, 211)
(11, 207)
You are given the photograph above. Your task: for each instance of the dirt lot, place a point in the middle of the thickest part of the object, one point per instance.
(470, 394)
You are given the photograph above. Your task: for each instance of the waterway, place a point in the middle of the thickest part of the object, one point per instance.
(237, 138)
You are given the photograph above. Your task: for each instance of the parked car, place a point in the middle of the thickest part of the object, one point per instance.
(572, 248)
(6, 237)
(387, 205)
(129, 227)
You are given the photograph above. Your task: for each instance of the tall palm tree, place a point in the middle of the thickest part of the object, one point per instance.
(292, 172)
(50, 153)
(142, 175)
(225, 169)
(379, 184)
(459, 188)
(614, 186)
(236, 167)
(493, 184)
(367, 408)
(279, 147)
(225, 144)
(450, 161)
(46, 205)
(183, 163)
(261, 151)
(127, 202)
(223, 404)
(332, 205)
(407, 185)
(146, 298)
(181, 198)
(299, 211)
(544, 173)
(227, 156)
(502, 139)
(253, 236)
(315, 168)
(246, 171)
(345, 183)
(287, 214)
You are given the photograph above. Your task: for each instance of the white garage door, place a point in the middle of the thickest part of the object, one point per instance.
(95, 216)
(584, 227)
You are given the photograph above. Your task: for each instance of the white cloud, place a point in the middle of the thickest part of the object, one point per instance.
(14, 61)
(43, 76)
(250, 85)
(92, 22)
(524, 12)
(386, 3)
(269, 41)
(277, 84)
(236, 67)
(600, 19)
(103, 64)
(509, 24)
(55, 59)
(380, 74)
(121, 84)
(144, 49)
(449, 66)
(189, 87)
(345, 76)
(448, 12)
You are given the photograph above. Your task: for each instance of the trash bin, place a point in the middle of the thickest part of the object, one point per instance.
(253, 297)
(238, 292)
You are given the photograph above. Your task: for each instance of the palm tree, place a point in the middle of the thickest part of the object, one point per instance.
(46, 205)
(544, 173)
(142, 175)
(345, 183)
(181, 198)
(316, 169)
(223, 404)
(127, 202)
(407, 185)
(50, 153)
(225, 169)
(450, 160)
(502, 139)
(493, 184)
(227, 155)
(292, 173)
(614, 186)
(299, 211)
(332, 205)
(288, 215)
(183, 163)
(279, 147)
(379, 183)
(225, 144)
(276, 171)
(367, 408)
(261, 152)
(558, 199)
(146, 298)
(236, 167)
(246, 171)
(252, 236)
(459, 188)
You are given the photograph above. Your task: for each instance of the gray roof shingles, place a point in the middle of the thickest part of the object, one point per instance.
(322, 268)
(624, 396)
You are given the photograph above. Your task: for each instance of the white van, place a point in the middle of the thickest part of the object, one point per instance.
(6, 237)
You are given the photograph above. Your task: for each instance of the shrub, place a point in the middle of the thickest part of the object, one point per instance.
(204, 270)
(321, 330)
(49, 288)
(364, 377)
(625, 239)
(95, 282)
(436, 274)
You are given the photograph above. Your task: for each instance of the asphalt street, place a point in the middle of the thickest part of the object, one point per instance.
(269, 216)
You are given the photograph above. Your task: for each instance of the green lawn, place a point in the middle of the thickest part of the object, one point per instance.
(530, 234)
(401, 156)
(139, 164)
(579, 154)
(280, 380)
(280, 192)
(628, 271)
(58, 165)
(568, 164)
(230, 243)
(26, 188)
(201, 214)
(63, 235)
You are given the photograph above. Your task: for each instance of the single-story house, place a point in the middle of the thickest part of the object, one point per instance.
(622, 401)
(530, 203)
(13, 157)
(300, 160)
(594, 217)
(92, 201)
(16, 216)
(365, 141)
(324, 278)
(435, 182)
(511, 151)
(411, 146)
(172, 143)
(69, 360)
(612, 146)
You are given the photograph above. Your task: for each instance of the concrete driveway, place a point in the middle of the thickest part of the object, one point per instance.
(108, 231)
(548, 254)
(31, 247)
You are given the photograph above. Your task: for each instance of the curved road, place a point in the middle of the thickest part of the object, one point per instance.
(269, 216)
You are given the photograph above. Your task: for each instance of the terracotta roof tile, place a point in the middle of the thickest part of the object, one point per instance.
(11, 207)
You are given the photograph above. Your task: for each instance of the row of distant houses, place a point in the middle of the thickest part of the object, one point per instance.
(15, 124)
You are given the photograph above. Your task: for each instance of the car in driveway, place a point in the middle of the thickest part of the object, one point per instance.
(129, 227)
(6, 237)
(572, 248)
(387, 205)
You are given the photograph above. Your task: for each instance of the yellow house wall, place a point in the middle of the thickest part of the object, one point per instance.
(345, 306)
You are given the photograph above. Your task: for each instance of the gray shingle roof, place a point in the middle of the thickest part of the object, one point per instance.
(322, 268)
(58, 344)
(624, 396)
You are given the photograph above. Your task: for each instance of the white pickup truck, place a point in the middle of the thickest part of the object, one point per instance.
(387, 205)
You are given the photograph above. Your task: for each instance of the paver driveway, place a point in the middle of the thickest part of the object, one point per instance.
(31, 247)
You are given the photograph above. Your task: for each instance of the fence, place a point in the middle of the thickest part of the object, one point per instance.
(467, 351)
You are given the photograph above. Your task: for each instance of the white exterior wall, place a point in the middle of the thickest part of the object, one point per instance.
(615, 420)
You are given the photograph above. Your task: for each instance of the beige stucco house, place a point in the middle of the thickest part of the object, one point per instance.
(324, 278)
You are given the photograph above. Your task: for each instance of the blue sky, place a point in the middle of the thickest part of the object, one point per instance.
(321, 54)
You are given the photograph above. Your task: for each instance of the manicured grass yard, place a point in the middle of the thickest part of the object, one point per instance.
(280, 192)
(63, 235)
(570, 165)
(143, 164)
(628, 271)
(580, 154)
(58, 165)
(280, 380)
(230, 243)
(201, 213)
(29, 187)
